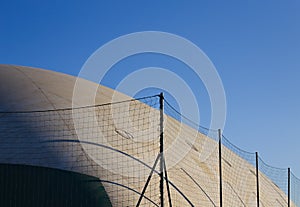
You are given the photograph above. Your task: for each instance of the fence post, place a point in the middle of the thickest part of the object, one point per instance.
(220, 166)
(257, 179)
(161, 107)
(289, 187)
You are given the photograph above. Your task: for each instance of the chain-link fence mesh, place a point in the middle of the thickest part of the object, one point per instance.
(239, 175)
(192, 161)
(119, 143)
(295, 189)
(273, 185)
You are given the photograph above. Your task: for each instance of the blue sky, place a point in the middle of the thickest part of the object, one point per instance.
(254, 45)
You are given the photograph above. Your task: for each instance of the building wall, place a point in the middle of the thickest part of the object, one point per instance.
(24, 185)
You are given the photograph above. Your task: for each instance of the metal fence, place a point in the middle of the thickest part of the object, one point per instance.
(145, 153)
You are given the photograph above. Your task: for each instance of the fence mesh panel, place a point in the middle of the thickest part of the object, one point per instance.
(192, 161)
(273, 185)
(295, 190)
(116, 142)
(119, 143)
(239, 176)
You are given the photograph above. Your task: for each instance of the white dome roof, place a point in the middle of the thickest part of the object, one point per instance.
(31, 89)
(50, 139)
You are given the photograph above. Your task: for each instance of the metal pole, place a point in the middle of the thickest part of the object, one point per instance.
(147, 182)
(167, 182)
(289, 187)
(161, 107)
(220, 167)
(257, 181)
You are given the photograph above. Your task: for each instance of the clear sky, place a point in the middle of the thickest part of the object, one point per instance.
(254, 45)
